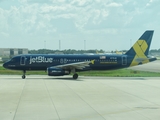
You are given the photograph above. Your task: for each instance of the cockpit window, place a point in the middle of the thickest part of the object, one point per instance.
(13, 60)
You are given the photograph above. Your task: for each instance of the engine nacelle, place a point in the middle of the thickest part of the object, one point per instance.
(57, 71)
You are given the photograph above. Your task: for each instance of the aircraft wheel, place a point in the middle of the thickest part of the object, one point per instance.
(75, 76)
(23, 76)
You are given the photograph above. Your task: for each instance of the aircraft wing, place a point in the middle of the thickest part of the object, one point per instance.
(77, 65)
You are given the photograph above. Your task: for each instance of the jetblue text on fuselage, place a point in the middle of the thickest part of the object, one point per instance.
(40, 59)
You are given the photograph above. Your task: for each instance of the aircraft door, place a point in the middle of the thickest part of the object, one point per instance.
(63, 60)
(124, 60)
(23, 60)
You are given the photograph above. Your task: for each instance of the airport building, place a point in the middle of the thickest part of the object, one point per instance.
(10, 52)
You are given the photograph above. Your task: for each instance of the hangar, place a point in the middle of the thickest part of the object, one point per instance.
(6, 53)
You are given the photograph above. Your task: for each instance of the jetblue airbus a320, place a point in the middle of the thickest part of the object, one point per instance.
(58, 65)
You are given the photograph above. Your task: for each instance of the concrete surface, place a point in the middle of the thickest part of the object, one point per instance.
(88, 98)
(151, 67)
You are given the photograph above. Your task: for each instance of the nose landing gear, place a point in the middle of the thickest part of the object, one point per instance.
(24, 76)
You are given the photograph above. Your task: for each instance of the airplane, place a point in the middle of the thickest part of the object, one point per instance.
(59, 65)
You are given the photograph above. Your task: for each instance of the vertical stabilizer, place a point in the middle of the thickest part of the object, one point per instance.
(140, 49)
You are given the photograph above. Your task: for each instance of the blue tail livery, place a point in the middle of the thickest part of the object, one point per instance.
(59, 65)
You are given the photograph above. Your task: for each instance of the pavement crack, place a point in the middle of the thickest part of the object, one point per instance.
(19, 99)
(51, 99)
(84, 101)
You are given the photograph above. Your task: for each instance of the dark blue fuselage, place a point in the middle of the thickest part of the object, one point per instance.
(42, 62)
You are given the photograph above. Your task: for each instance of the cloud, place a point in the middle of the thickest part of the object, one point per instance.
(48, 18)
(37, 15)
(114, 4)
(4, 34)
(35, 1)
(79, 16)
(149, 3)
(81, 3)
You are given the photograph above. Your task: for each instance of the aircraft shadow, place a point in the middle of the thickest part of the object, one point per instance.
(38, 78)
(70, 79)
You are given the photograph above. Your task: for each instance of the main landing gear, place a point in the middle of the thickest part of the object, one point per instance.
(24, 74)
(75, 76)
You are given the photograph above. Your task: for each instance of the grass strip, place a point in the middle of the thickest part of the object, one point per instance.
(106, 73)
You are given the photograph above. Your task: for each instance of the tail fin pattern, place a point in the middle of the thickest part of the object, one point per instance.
(140, 49)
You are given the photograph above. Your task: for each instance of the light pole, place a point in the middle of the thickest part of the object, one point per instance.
(45, 44)
(84, 44)
(59, 44)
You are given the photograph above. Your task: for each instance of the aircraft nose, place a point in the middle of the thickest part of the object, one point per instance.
(5, 65)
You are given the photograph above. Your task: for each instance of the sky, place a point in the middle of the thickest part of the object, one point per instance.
(77, 24)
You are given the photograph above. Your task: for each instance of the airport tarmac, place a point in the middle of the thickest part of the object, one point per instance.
(151, 67)
(88, 98)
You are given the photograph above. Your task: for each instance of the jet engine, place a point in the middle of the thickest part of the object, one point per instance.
(57, 71)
